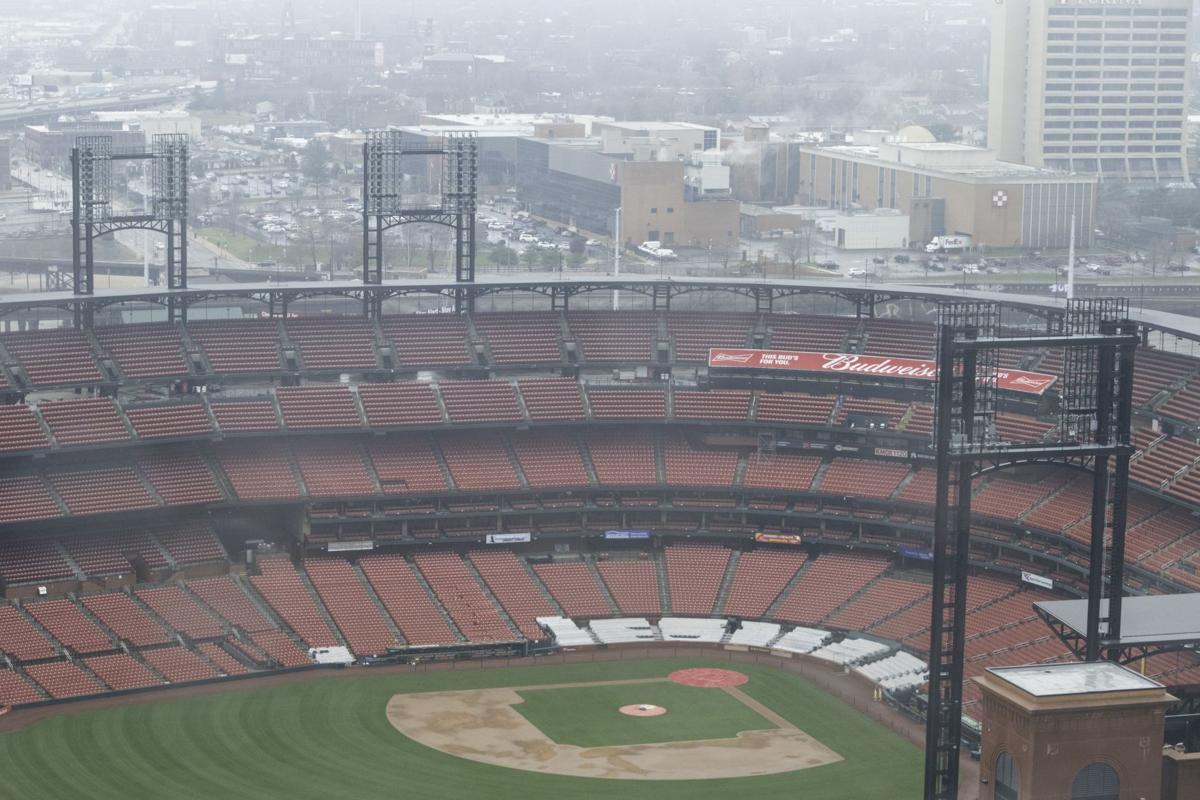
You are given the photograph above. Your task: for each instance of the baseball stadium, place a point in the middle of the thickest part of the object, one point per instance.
(587, 537)
(553, 509)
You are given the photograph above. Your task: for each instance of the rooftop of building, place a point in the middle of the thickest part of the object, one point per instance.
(945, 158)
(1057, 680)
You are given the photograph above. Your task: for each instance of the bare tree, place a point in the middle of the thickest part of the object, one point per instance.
(792, 249)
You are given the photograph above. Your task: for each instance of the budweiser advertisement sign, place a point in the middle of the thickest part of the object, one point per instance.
(1013, 380)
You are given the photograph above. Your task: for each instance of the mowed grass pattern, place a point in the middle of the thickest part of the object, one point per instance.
(330, 737)
(590, 716)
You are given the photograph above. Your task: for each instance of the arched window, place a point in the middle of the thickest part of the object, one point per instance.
(1096, 781)
(1008, 778)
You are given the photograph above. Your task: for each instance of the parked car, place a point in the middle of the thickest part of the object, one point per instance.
(900, 258)
(833, 265)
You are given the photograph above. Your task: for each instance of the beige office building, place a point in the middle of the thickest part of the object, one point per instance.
(950, 189)
(1091, 86)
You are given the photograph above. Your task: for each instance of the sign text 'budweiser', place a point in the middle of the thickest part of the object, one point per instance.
(1013, 380)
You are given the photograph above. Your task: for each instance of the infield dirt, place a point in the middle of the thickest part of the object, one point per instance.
(482, 725)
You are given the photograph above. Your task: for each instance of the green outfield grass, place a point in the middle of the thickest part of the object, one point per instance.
(590, 716)
(330, 738)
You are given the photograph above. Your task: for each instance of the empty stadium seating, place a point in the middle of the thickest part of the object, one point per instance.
(406, 465)
(234, 346)
(259, 473)
(759, 578)
(174, 606)
(688, 466)
(574, 588)
(333, 469)
(695, 332)
(552, 398)
(178, 664)
(335, 344)
(120, 671)
(479, 462)
(19, 430)
(694, 574)
(69, 625)
(144, 350)
(245, 416)
(800, 409)
(19, 639)
(427, 340)
(459, 592)
(86, 421)
(226, 598)
(828, 583)
(25, 560)
(280, 585)
(54, 357)
(63, 679)
(93, 491)
(179, 476)
(395, 404)
(406, 600)
(313, 407)
(514, 588)
(862, 478)
(550, 459)
(628, 403)
(527, 337)
(125, 618)
(480, 401)
(365, 631)
(178, 420)
(634, 586)
(733, 405)
(611, 337)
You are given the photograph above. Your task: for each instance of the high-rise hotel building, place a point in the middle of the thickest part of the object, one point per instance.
(1091, 86)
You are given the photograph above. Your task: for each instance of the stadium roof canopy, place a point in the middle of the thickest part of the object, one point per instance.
(1185, 327)
(1149, 624)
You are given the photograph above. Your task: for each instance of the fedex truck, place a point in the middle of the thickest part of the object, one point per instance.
(948, 244)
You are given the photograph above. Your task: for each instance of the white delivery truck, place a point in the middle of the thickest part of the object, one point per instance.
(948, 244)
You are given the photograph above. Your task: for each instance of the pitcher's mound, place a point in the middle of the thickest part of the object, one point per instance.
(708, 678)
(643, 710)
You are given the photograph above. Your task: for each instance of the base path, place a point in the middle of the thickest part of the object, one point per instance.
(708, 678)
(482, 725)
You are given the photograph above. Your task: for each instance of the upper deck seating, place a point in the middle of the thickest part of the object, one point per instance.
(176, 420)
(615, 337)
(84, 421)
(337, 343)
(525, 337)
(60, 357)
(422, 341)
(145, 350)
(316, 406)
(480, 401)
(19, 430)
(406, 465)
(391, 404)
(242, 345)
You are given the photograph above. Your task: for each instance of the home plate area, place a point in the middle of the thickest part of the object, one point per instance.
(692, 724)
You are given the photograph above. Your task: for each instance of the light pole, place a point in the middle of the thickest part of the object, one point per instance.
(617, 258)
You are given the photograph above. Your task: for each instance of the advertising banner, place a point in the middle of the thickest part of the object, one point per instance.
(1037, 580)
(508, 538)
(1013, 380)
(779, 538)
(627, 534)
